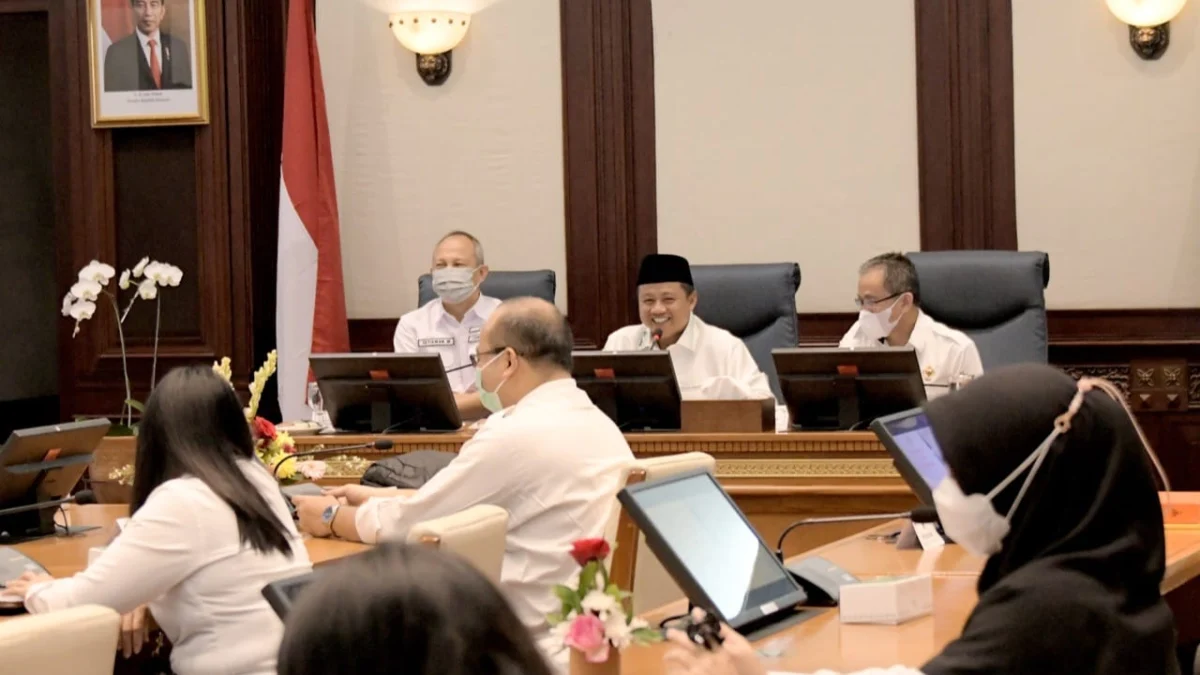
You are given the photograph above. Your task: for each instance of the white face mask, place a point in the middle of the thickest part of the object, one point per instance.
(454, 284)
(878, 325)
(972, 522)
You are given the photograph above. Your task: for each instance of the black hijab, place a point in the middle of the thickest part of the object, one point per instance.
(1075, 588)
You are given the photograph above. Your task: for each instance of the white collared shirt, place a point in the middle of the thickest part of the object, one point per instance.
(430, 329)
(942, 352)
(181, 554)
(144, 40)
(710, 362)
(554, 461)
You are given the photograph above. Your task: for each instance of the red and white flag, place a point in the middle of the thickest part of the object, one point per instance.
(116, 22)
(310, 299)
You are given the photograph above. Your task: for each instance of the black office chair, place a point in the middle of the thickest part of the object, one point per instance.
(757, 303)
(996, 297)
(502, 285)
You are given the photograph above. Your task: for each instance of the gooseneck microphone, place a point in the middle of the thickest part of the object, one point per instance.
(82, 497)
(656, 338)
(921, 514)
(378, 444)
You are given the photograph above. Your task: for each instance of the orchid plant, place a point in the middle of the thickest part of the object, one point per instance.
(593, 618)
(145, 278)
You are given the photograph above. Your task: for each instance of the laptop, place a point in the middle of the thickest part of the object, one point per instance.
(710, 549)
(909, 439)
(282, 594)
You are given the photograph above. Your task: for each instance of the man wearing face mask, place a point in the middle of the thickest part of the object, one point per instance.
(548, 456)
(709, 362)
(450, 325)
(889, 301)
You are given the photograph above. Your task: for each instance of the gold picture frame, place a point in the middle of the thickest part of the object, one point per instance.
(148, 61)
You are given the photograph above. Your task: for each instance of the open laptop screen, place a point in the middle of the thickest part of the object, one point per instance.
(710, 549)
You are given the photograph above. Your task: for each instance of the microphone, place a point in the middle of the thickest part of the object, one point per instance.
(656, 338)
(377, 444)
(921, 514)
(82, 497)
(457, 368)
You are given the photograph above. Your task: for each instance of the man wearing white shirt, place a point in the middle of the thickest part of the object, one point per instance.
(450, 325)
(710, 362)
(149, 58)
(548, 456)
(889, 299)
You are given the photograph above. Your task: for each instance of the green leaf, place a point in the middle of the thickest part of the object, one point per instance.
(569, 597)
(587, 578)
(647, 636)
(554, 618)
(136, 405)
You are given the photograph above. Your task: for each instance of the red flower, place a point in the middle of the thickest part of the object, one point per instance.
(586, 550)
(264, 429)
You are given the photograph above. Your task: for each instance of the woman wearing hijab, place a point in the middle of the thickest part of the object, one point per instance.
(1052, 480)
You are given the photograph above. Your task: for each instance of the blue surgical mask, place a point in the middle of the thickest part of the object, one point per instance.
(489, 399)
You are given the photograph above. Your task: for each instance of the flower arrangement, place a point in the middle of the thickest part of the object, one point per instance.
(145, 278)
(593, 618)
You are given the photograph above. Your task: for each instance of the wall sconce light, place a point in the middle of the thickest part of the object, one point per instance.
(1149, 32)
(430, 35)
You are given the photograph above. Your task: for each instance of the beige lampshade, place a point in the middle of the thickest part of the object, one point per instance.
(1145, 12)
(429, 31)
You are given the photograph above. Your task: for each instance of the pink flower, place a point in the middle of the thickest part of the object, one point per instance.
(587, 635)
(312, 470)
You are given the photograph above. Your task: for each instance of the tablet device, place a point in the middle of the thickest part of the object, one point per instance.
(709, 548)
(282, 594)
(915, 452)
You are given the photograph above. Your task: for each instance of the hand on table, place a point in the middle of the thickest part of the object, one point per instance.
(735, 656)
(21, 585)
(356, 495)
(310, 512)
(135, 632)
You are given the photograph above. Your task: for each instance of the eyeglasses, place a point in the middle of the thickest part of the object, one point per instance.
(477, 356)
(861, 302)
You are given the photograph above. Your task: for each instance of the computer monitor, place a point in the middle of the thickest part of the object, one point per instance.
(709, 548)
(42, 464)
(282, 594)
(386, 393)
(914, 450)
(637, 390)
(833, 388)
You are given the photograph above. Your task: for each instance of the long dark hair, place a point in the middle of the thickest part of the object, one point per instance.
(194, 426)
(398, 603)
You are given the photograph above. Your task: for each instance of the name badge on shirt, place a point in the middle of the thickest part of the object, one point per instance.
(436, 342)
(473, 334)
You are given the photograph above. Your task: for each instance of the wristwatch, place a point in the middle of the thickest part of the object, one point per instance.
(329, 514)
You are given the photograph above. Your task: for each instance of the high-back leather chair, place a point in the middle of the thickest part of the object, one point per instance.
(996, 297)
(80, 641)
(634, 566)
(476, 534)
(502, 285)
(757, 303)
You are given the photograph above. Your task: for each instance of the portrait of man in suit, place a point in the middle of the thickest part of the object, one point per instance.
(149, 58)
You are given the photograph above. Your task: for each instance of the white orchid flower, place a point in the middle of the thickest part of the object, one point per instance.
(68, 300)
(81, 311)
(153, 270)
(124, 282)
(147, 290)
(97, 272)
(86, 289)
(171, 276)
(139, 268)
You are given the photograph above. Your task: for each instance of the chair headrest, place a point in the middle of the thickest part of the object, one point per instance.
(979, 289)
(502, 285)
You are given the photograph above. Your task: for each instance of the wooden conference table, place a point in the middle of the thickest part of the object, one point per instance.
(820, 642)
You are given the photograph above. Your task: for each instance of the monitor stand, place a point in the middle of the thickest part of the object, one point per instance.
(846, 389)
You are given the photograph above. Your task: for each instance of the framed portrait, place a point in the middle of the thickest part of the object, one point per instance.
(148, 62)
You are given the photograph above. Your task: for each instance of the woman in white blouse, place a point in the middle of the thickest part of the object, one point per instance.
(209, 528)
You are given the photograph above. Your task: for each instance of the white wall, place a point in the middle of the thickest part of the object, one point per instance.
(483, 152)
(1108, 156)
(786, 131)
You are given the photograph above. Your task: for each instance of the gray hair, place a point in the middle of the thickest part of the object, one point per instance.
(468, 235)
(535, 330)
(899, 274)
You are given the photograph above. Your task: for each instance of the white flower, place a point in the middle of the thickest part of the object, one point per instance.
(619, 633)
(173, 276)
(313, 469)
(124, 282)
(638, 623)
(147, 290)
(82, 310)
(600, 602)
(559, 632)
(98, 272)
(139, 268)
(68, 300)
(86, 289)
(164, 274)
